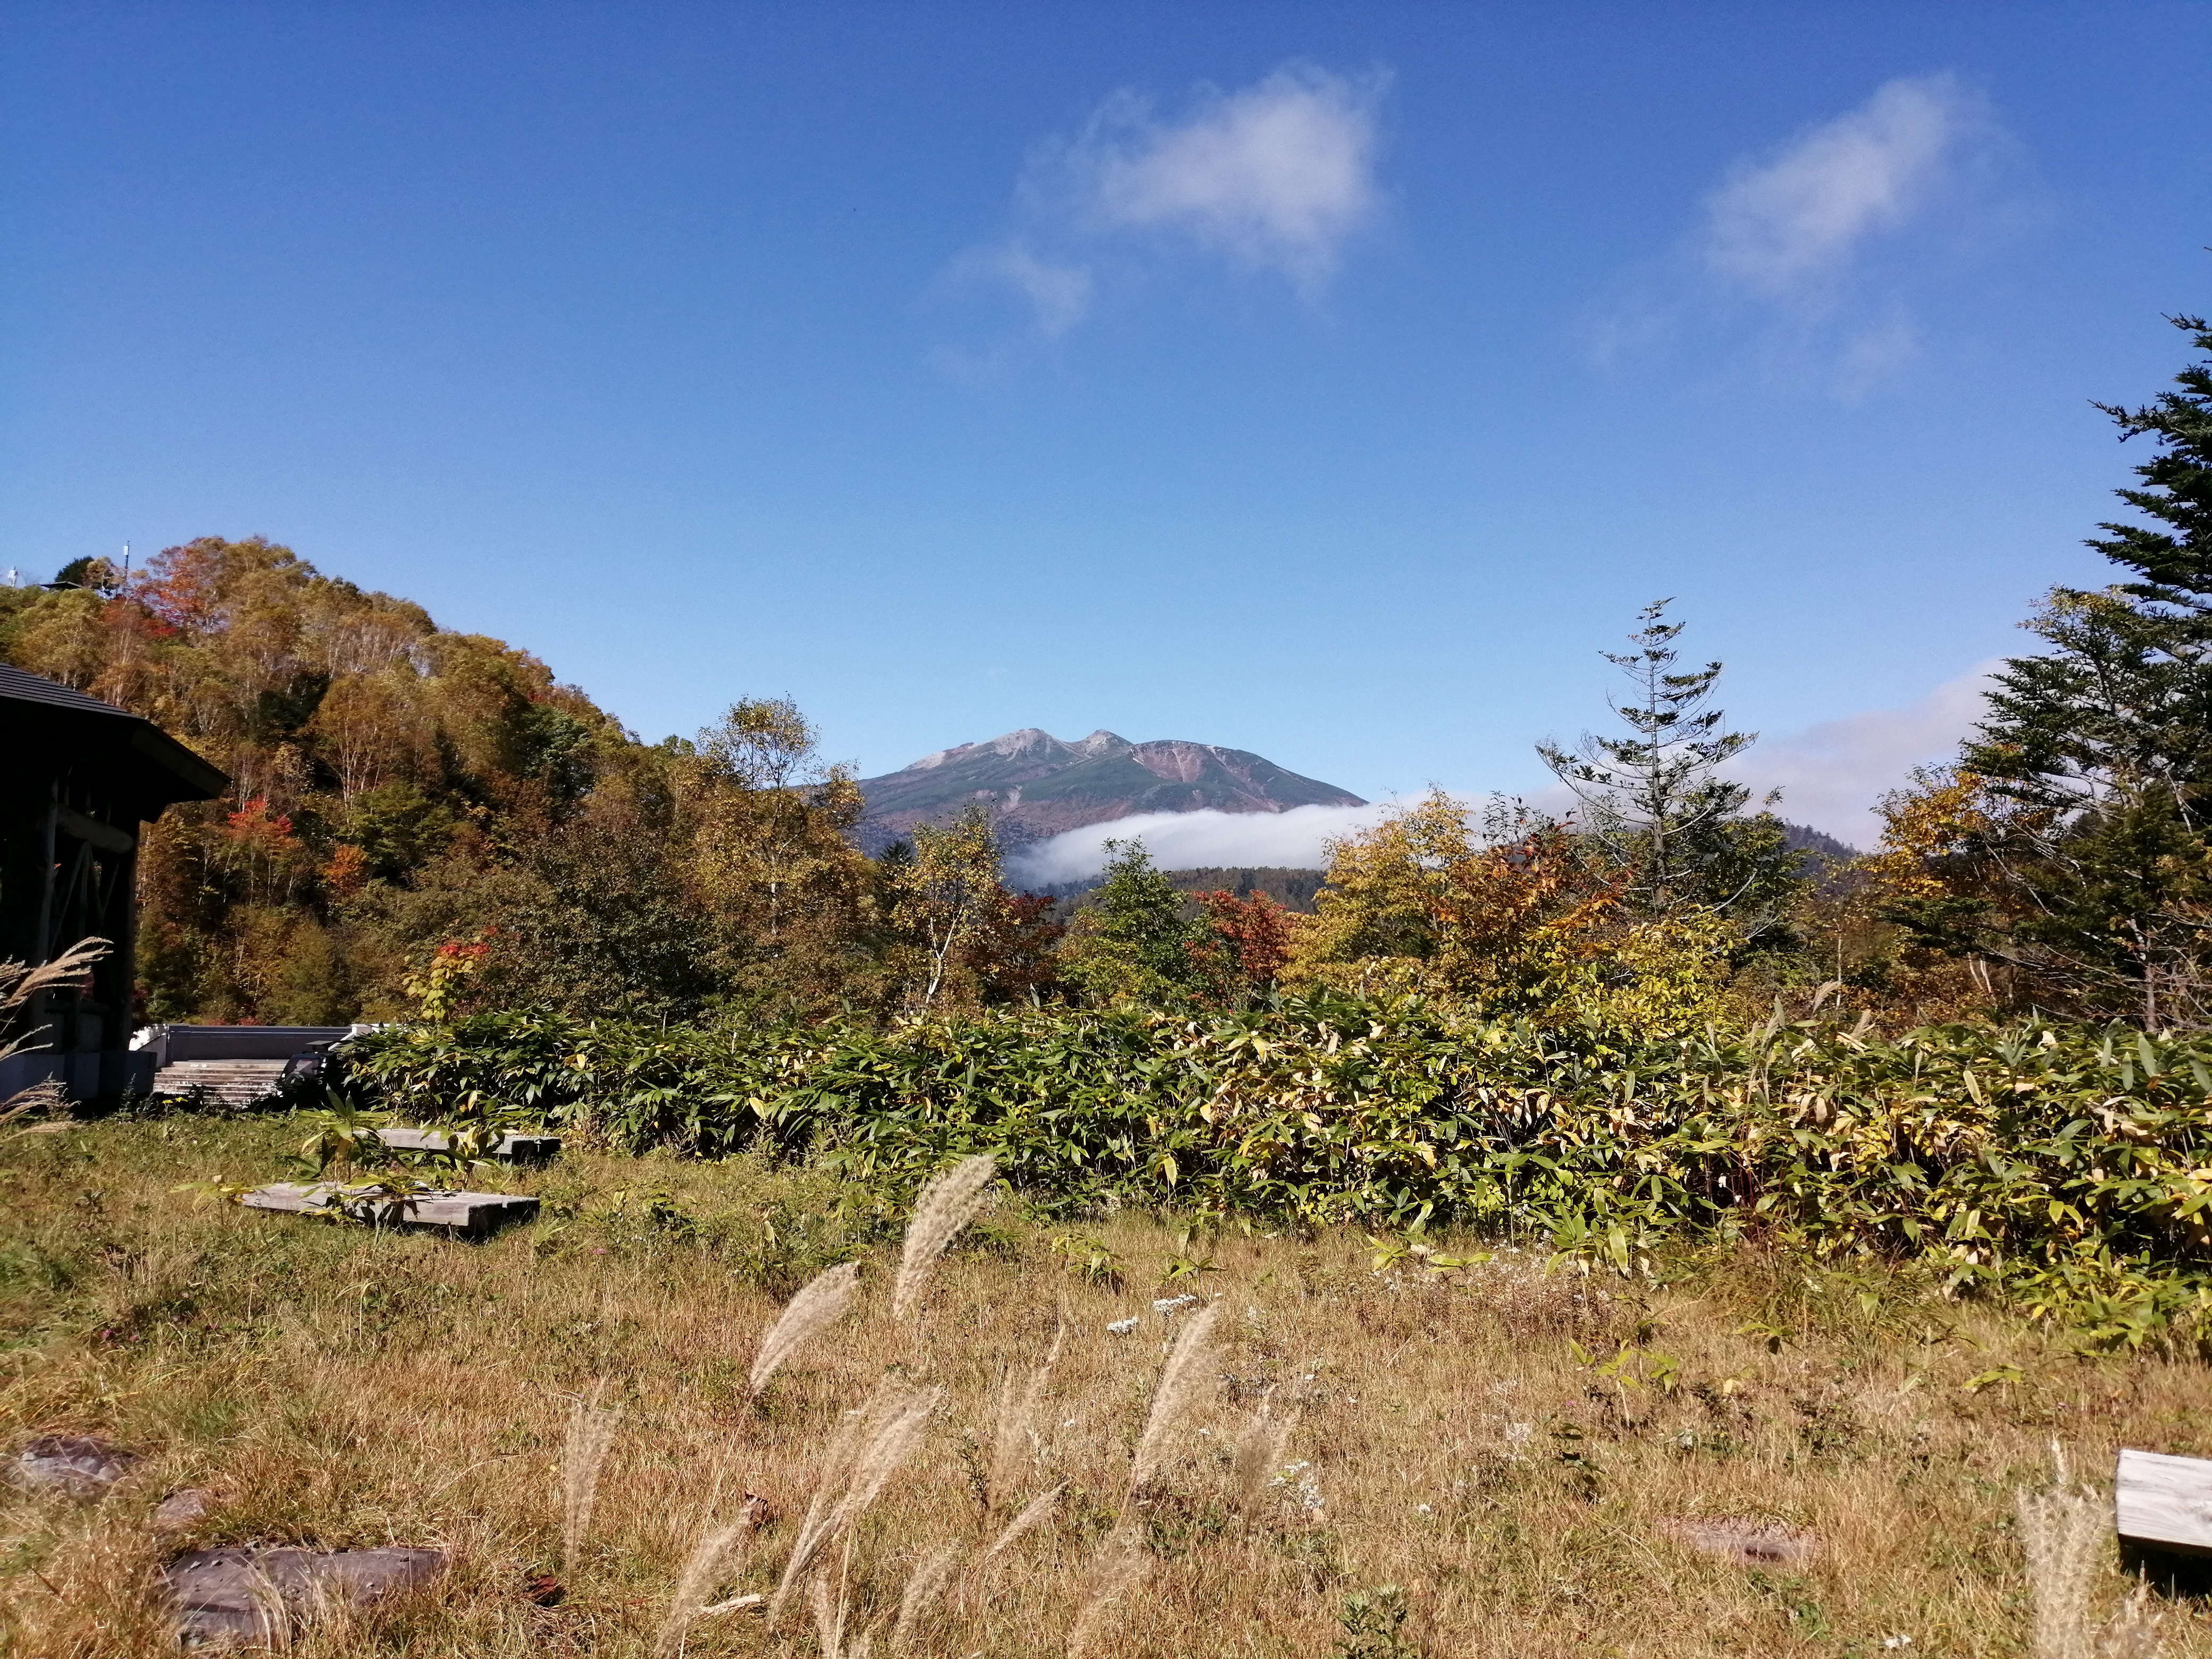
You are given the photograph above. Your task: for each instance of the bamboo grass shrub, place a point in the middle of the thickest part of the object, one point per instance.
(2063, 1165)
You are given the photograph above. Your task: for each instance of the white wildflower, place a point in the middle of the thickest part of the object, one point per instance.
(1123, 1327)
(1173, 1304)
(1304, 1487)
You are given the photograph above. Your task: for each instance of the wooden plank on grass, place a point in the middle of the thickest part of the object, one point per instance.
(468, 1213)
(517, 1148)
(2162, 1503)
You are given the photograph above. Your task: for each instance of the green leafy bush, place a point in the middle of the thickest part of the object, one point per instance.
(2065, 1164)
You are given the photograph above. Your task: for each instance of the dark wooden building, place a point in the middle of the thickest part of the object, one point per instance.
(79, 778)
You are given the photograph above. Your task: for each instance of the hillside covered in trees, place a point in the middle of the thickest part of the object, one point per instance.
(412, 804)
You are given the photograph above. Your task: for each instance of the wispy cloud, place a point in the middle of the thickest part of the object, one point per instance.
(1275, 177)
(1804, 253)
(1785, 226)
(1057, 293)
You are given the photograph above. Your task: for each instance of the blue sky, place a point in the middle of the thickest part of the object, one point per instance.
(1331, 381)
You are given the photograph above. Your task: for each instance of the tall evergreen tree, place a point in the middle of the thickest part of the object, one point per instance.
(1655, 802)
(2098, 753)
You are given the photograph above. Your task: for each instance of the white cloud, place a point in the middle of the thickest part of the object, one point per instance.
(1278, 176)
(1057, 293)
(1806, 256)
(1831, 775)
(1296, 839)
(1784, 227)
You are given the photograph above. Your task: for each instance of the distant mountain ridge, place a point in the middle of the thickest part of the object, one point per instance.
(1034, 784)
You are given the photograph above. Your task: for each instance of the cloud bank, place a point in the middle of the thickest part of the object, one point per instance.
(1275, 177)
(1296, 839)
(1831, 775)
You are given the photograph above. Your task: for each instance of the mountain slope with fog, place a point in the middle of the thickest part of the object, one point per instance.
(1033, 785)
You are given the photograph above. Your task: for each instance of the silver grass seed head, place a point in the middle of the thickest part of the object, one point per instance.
(946, 1204)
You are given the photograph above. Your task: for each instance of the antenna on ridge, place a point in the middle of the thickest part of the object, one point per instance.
(126, 567)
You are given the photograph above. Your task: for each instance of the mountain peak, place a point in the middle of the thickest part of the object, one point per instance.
(1034, 784)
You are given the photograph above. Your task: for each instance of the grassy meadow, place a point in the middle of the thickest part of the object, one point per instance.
(1373, 1460)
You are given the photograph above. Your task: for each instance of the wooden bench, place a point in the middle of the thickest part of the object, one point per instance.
(467, 1215)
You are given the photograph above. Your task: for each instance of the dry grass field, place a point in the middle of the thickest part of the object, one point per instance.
(1313, 1457)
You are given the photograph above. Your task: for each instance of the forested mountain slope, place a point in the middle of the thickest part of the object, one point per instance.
(413, 805)
(368, 747)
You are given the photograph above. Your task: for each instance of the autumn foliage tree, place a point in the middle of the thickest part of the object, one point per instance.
(1423, 901)
(1242, 949)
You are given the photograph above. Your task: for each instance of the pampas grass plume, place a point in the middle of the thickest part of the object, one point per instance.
(946, 1204)
(583, 1452)
(2061, 1533)
(2133, 1631)
(926, 1584)
(1117, 1574)
(868, 1451)
(1182, 1381)
(829, 1618)
(1034, 1513)
(701, 1573)
(1017, 1412)
(818, 1306)
(1259, 1454)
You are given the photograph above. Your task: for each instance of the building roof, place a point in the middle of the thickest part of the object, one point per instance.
(68, 724)
(18, 686)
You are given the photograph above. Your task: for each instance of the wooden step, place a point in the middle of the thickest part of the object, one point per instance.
(520, 1148)
(2164, 1503)
(469, 1215)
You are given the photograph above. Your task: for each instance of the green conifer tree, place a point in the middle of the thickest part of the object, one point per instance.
(2097, 753)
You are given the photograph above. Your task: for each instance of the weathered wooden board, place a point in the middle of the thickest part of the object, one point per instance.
(516, 1148)
(469, 1214)
(2162, 1503)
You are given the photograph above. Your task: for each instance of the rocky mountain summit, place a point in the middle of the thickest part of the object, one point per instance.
(1036, 785)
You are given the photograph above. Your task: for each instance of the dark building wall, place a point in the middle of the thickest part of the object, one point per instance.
(78, 780)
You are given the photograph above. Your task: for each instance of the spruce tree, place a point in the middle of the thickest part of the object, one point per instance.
(2097, 753)
(1654, 801)
(1134, 939)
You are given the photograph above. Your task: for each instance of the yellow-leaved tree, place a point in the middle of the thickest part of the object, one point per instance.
(790, 897)
(1516, 919)
(947, 902)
